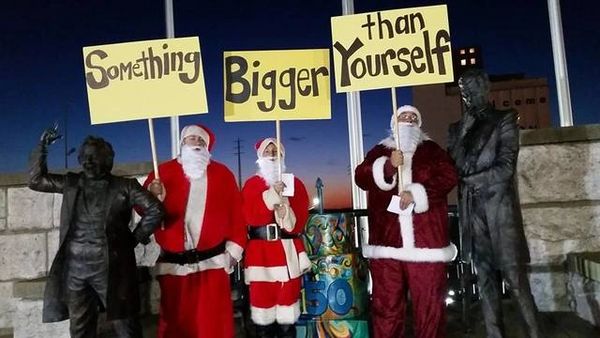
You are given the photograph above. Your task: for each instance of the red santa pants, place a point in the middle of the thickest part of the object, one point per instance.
(196, 306)
(426, 283)
(275, 302)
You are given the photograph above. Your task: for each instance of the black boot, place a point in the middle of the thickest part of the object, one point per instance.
(286, 331)
(265, 331)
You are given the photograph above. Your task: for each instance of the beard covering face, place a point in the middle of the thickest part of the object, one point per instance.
(194, 160)
(410, 137)
(268, 169)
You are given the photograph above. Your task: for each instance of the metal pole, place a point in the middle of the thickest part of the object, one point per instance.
(560, 64)
(239, 160)
(170, 27)
(359, 197)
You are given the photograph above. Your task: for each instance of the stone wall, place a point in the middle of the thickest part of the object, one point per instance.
(29, 223)
(559, 187)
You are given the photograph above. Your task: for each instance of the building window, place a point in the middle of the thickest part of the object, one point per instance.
(463, 62)
(472, 61)
(471, 50)
(462, 52)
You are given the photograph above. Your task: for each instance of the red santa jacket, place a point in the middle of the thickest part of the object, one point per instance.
(222, 221)
(420, 236)
(280, 260)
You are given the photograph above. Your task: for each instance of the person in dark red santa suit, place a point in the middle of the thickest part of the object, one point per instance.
(202, 238)
(408, 249)
(275, 257)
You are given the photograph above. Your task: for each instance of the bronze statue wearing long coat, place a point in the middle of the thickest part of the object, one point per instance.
(486, 159)
(122, 194)
(485, 146)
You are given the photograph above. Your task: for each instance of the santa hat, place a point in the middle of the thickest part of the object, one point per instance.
(261, 145)
(199, 130)
(406, 108)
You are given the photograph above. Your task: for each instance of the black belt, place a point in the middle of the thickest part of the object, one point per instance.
(269, 232)
(191, 256)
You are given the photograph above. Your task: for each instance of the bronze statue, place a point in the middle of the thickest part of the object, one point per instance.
(95, 267)
(484, 145)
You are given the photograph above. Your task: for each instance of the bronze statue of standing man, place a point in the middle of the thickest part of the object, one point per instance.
(95, 267)
(485, 145)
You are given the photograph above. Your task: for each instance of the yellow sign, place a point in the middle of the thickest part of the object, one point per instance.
(395, 48)
(144, 79)
(277, 85)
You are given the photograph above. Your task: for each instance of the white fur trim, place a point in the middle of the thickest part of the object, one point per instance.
(263, 316)
(305, 263)
(419, 196)
(407, 230)
(196, 130)
(216, 262)
(291, 257)
(378, 174)
(288, 314)
(406, 108)
(234, 249)
(194, 212)
(446, 254)
(282, 314)
(266, 274)
(264, 143)
(270, 198)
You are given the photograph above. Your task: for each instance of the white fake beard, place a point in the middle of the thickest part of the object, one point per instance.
(268, 169)
(194, 160)
(409, 136)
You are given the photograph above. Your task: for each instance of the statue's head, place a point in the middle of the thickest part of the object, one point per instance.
(96, 157)
(474, 87)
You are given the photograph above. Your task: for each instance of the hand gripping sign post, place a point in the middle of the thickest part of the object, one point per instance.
(388, 49)
(277, 85)
(145, 79)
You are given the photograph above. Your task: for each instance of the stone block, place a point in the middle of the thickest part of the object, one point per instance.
(3, 203)
(546, 172)
(28, 209)
(32, 289)
(549, 290)
(562, 223)
(2, 223)
(554, 252)
(28, 322)
(584, 297)
(53, 238)
(56, 210)
(22, 256)
(7, 305)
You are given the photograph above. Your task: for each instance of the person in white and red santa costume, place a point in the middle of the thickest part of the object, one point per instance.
(275, 256)
(202, 238)
(408, 249)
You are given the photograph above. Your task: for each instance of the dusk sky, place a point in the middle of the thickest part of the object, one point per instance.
(42, 73)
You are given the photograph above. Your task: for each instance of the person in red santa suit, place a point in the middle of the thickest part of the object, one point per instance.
(408, 249)
(202, 238)
(275, 257)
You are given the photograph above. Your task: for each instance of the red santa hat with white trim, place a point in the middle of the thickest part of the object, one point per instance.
(406, 108)
(199, 130)
(261, 145)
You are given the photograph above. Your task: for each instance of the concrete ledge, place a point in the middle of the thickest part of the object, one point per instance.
(586, 264)
(29, 289)
(124, 169)
(6, 332)
(585, 133)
